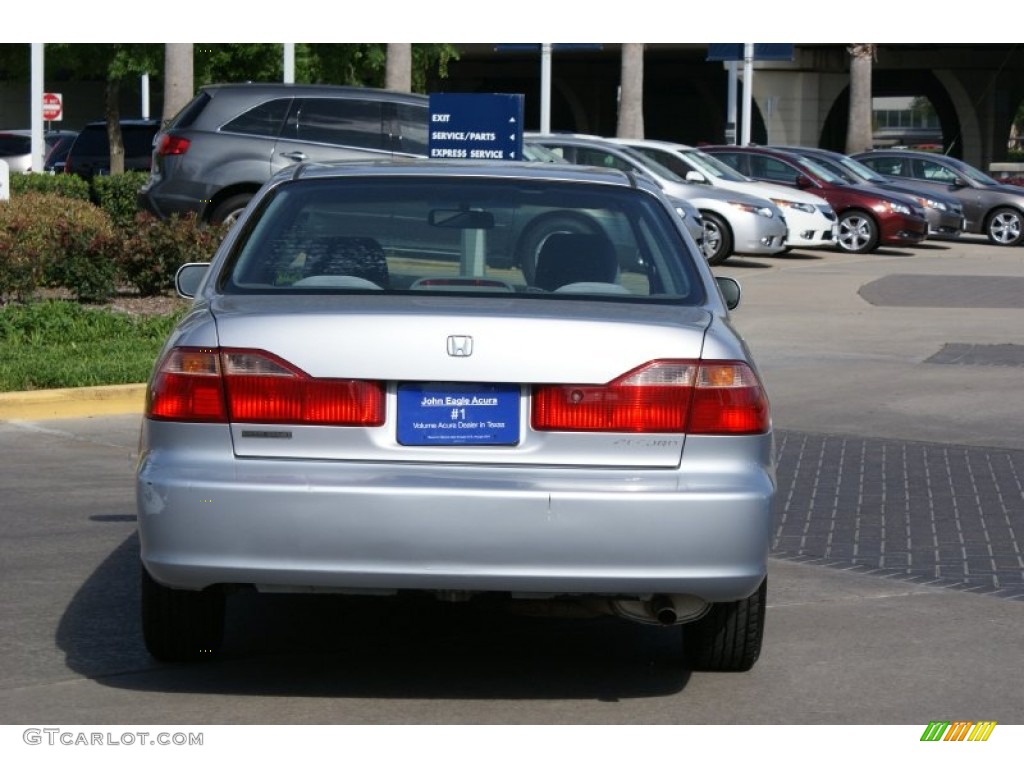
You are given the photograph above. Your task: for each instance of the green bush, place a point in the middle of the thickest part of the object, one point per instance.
(153, 252)
(57, 241)
(63, 184)
(118, 196)
(24, 243)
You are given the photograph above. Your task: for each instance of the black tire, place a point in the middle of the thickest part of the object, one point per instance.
(533, 237)
(728, 638)
(858, 232)
(1005, 226)
(180, 625)
(228, 211)
(718, 240)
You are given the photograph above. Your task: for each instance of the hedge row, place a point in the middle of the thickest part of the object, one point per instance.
(60, 232)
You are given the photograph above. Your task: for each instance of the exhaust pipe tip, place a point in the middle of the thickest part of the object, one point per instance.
(664, 610)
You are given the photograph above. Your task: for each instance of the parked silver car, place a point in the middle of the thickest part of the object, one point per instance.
(734, 222)
(358, 403)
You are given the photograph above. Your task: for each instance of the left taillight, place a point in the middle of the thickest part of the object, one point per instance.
(245, 385)
(172, 145)
(681, 396)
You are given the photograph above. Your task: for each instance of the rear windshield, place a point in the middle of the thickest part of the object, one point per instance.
(137, 140)
(493, 237)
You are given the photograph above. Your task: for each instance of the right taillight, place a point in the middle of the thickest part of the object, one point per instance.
(172, 145)
(253, 386)
(682, 396)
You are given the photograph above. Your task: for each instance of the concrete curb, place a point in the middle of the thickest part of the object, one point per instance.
(73, 403)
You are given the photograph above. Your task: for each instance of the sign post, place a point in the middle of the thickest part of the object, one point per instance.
(747, 53)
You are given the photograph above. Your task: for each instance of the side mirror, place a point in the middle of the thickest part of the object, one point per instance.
(730, 289)
(188, 278)
(695, 177)
(802, 182)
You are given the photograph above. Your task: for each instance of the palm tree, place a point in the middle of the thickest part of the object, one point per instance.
(178, 78)
(398, 71)
(631, 95)
(858, 130)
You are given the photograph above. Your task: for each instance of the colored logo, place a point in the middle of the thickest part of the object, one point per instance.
(958, 730)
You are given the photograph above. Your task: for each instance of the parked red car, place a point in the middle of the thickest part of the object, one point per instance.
(868, 217)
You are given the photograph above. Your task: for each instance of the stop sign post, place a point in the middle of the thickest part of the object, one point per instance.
(53, 106)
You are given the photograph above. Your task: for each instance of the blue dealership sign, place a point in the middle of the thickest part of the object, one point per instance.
(762, 52)
(476, 126)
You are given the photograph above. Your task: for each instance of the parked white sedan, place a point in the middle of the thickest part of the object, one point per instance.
(360, 402)
(811, 220)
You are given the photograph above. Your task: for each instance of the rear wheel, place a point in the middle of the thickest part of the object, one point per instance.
(717, 238)
(858, 232)
(1005, 227)
(728, 638)
(181, 625)
(228, 211)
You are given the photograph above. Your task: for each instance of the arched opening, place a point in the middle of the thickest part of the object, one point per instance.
(911, 108)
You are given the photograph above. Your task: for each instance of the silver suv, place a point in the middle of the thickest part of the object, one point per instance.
(230, 139)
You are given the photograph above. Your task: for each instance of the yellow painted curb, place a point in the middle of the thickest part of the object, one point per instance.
(73, 403)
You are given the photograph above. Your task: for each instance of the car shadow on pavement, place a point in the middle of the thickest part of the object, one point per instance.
(894, 252)
(342, 646)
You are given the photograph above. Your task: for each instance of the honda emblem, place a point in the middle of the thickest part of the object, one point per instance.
(460, 346)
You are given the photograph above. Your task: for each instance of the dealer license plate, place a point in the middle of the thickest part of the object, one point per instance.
(450, 413)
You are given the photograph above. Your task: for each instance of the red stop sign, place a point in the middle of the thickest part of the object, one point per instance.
(53, 107)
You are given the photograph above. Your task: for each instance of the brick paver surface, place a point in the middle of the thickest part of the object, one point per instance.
(929, 513)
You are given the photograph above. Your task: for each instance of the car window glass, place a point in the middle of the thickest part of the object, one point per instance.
(137, 140)
(774, 170)
(734, 161)
(11, 146)
(190, 111)
(713, 166)
(465, 236)
(343, 122)
(92, 141)
(410, 129)
(590, 156)
(262, 120)
(667, 159)
(889, 166)
(932, 171)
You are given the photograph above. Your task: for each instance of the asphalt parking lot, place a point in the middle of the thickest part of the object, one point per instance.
(897, 575)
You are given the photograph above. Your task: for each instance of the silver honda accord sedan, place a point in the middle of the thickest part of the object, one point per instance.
(413, 376)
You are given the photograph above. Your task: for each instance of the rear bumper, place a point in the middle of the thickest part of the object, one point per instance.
(366, 526)
(155, 198)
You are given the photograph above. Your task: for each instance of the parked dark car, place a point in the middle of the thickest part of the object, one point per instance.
(944, 212)
(992, 209)
(58, 145)
(90, 154)
(868, 217)
(230, 139)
